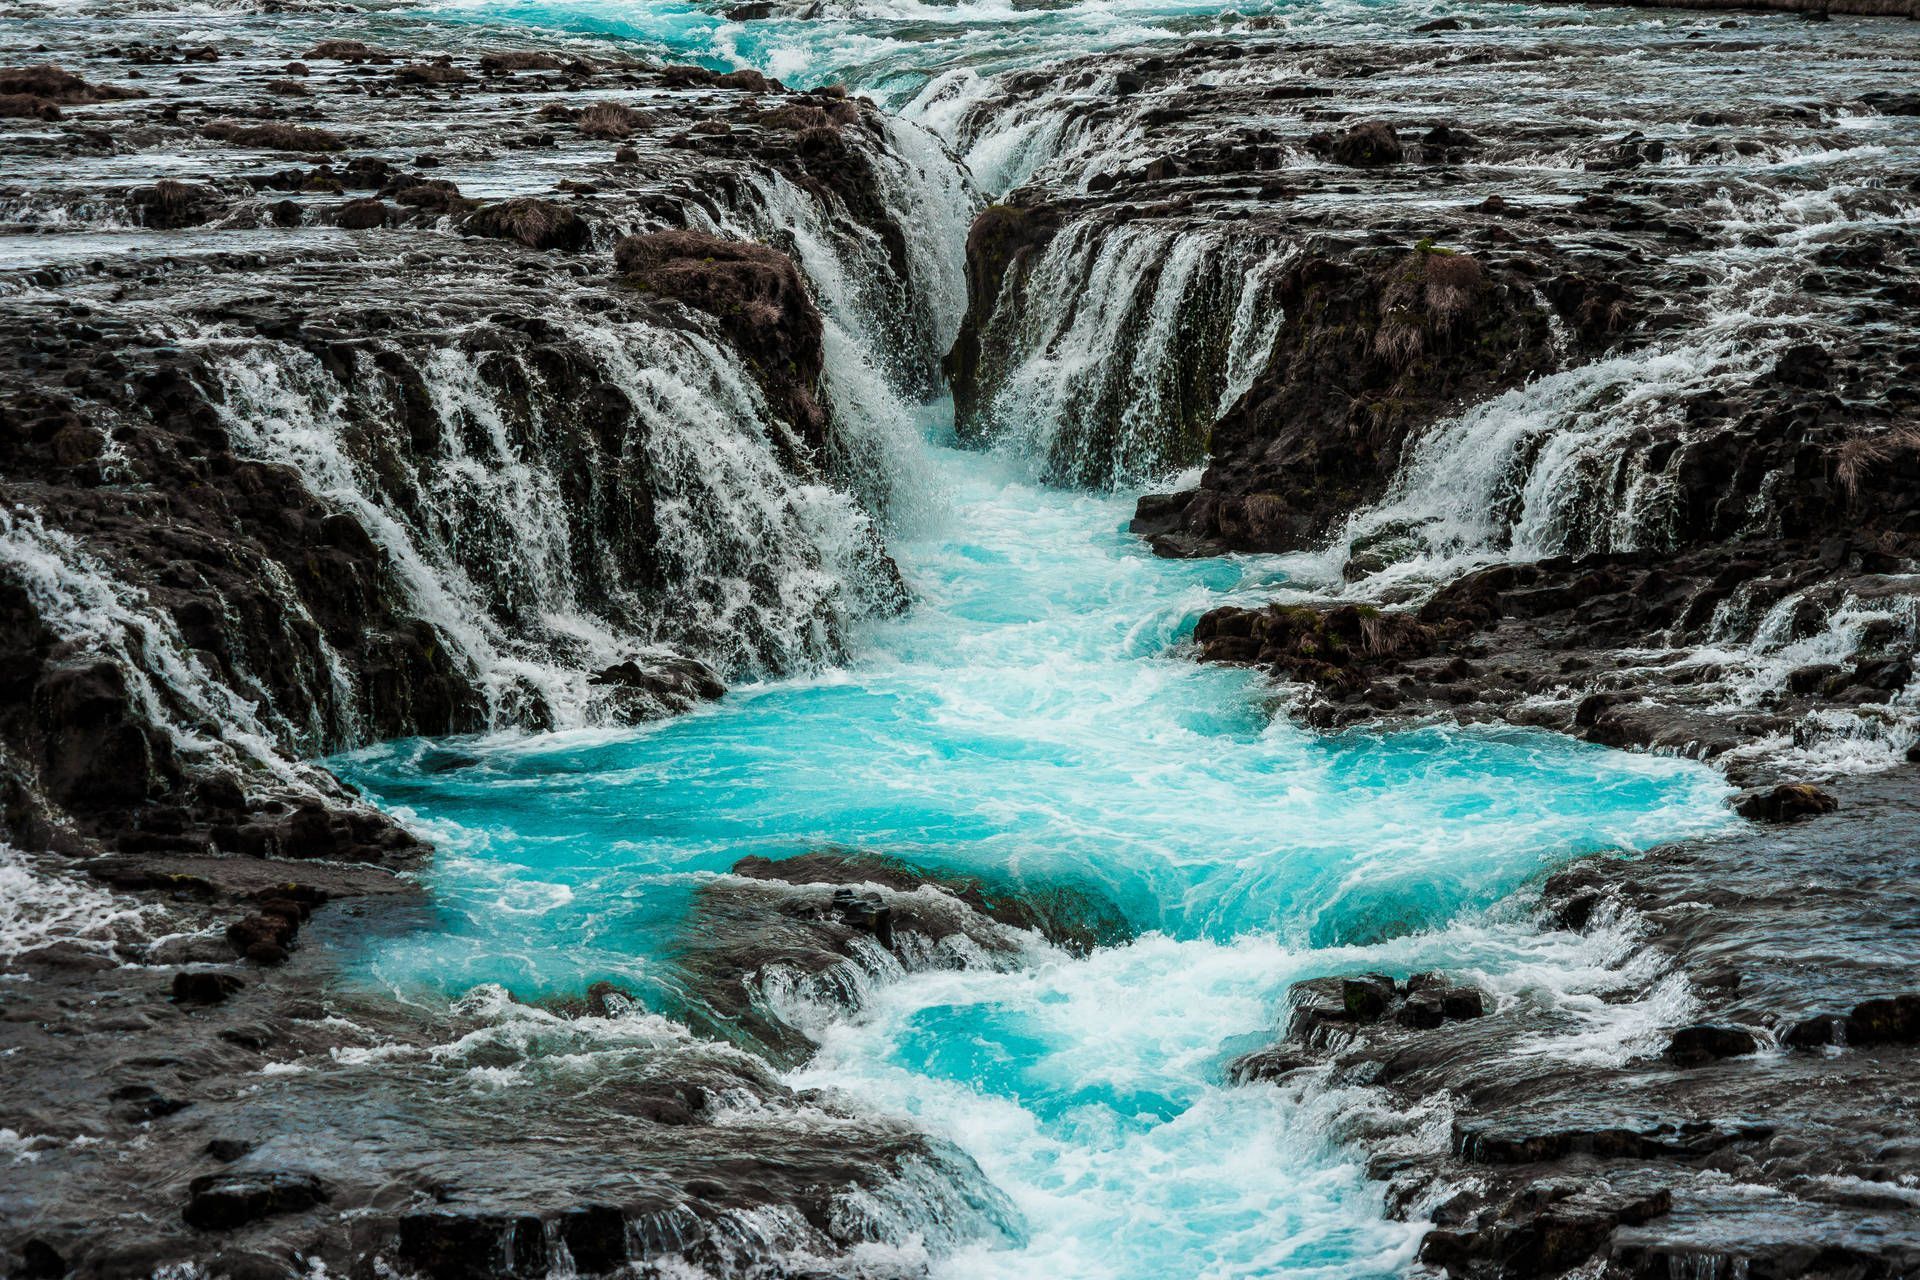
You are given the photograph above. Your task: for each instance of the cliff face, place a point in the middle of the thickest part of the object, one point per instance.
(338, 453)
(1489, 350)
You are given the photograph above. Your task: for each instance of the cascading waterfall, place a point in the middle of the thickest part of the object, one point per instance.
(566, 485)
(1577, 462)
(696, 539)
(174, 688)
(1110, 359)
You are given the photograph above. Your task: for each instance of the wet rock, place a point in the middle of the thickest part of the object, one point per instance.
(363, 215)
(1804, 365)
(1340, 647)
(339, 51)
(101, 756)
(520, 60)
(1072, 918)
(473, 1246)
(1784, 802)
(142, 1102)
(1887, 1020)
(1267, 1064)
(430, 73)
(608, 120)
(227, 1150)
(1432, 1000)
(1367, 145)
(1373, 346)
(1892, 104)
(40, 1261)
(1573, 1228)
(757, 295)
(537, 224)
(1003, 239)
(204, 988)
(1705, 1042)
(266, 936)
(49, 83)
(596, 1236)
(1893, 1020)
(27, 106)
(226, 1201)
(1366, 999)
(274, 136)
(168, 205)
(662, 684)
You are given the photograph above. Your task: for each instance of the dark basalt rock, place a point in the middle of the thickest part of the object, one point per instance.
(275, 136)
(226, 1201)
(363, 215)
(537, 224)
(473, 1246)
(1890, 1020)
(813, 920)
(1784, 802)
(1705, 1042)
(757, 296)
(204, 988)
(1374, 346)
(1551, 1242)
(168, 205)
(596, 1237)
(40, 1261)
(1367, 145)
(49, 83)
(1003, 240)
(673, 683)
(1072, 918)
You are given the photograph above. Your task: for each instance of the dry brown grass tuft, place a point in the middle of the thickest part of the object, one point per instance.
(274, 137)
(609, 120)
(1860, 455)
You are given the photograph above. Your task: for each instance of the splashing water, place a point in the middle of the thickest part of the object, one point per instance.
(891, 49)
(1027, 721)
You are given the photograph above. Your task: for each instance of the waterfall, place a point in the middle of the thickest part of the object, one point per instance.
(544, 546)
(1110, 359)
(171, 685)
(884, 332)
(1565, 465)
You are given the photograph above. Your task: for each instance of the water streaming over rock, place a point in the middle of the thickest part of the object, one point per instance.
(1109, 359)
(562, 487)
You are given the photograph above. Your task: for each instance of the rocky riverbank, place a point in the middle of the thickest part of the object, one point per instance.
(425, 461)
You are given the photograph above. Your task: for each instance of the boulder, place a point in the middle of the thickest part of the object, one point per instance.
(1706, 1042)
(1371, 144)
(538, 224)
(1783, 802)
(224, 1201)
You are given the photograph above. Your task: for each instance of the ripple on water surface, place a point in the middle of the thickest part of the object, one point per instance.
(1027, 721)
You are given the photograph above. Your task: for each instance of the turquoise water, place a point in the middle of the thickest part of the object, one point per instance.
(890, 49)
(1030, 719)
(1033, 720)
